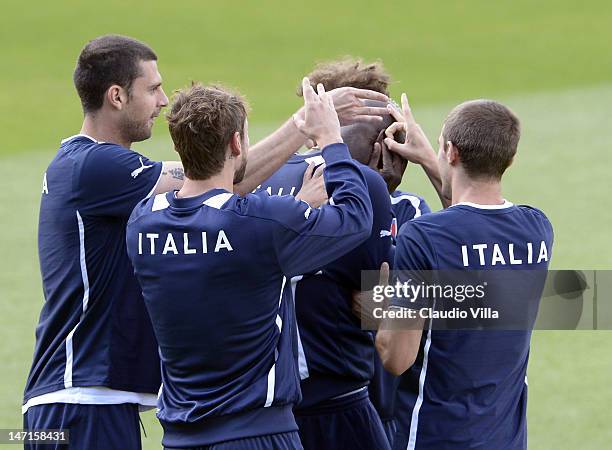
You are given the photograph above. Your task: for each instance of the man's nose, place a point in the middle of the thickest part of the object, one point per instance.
(164, 99)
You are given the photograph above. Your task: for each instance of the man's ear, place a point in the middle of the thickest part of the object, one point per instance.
(235, 145)
(452, 153)
(116, 97)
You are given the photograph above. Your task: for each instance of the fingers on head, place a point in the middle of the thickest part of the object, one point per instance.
(395, 112)
(319, 170)
(309, 170)
(391, 144)
(394, 128)
(308, 91)
(369, 95)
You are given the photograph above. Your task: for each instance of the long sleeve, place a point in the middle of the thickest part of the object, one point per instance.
(307, 238)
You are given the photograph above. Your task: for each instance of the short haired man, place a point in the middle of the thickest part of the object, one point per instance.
(373, 76)
(367, 146)
(469, 388)
(336, 357)
(95, 359)
(215, 268)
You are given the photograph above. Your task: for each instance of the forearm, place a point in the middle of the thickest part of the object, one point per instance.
(324, 234)
(430, 166)
(398, 349)
(171, 178)
(268, 155)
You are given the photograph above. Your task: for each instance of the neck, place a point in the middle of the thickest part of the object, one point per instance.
(481, 192)
(222, 180)
(103, 131)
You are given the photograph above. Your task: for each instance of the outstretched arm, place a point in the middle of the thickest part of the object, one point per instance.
(416, 148)
(268, 155)
(319, 236)
(171, 178)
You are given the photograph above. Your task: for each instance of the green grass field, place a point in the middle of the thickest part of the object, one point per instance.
(548, 60)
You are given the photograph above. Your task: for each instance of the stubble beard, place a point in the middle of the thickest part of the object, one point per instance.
(135, 131)
(239, 174)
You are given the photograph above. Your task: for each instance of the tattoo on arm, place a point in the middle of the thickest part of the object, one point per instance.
(177, 173)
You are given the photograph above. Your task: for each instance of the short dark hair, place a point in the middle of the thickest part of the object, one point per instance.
(202, 121)
(486, 135)
(350, 71)
(105, 61)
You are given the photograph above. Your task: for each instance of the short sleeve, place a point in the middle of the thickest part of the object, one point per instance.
(113, 179)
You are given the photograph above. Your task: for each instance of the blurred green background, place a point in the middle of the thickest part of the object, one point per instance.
(548, 60)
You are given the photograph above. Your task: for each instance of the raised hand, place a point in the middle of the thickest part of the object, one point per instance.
(319, 121)
(349, 104)
(416, 148)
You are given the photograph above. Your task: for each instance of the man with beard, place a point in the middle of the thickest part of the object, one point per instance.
(335, 356)
(95, 360)
(215, 269)
(366, 144)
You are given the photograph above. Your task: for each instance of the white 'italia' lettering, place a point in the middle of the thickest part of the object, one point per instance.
(186, 249)
(501, 255)
(152, 237)
(223, 242)
(529, 253)
(480, 248)
(513, 260)
(464, 254)
(170, 245)
(498, 256)
(543, 256)
(184, 243)
(45, 188)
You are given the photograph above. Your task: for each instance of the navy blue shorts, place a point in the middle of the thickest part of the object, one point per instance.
(91, 427)
(280, 441)
(349, 423)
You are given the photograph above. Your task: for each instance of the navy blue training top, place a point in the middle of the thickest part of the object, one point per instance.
(382, 389)
(215, 272)
(468, 389)
(93, 328)
(335, 355)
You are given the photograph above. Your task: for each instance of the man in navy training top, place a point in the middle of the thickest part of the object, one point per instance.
(405, 205)
(96, 358)
(471, 388)
(215, 271)
(336, 357)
